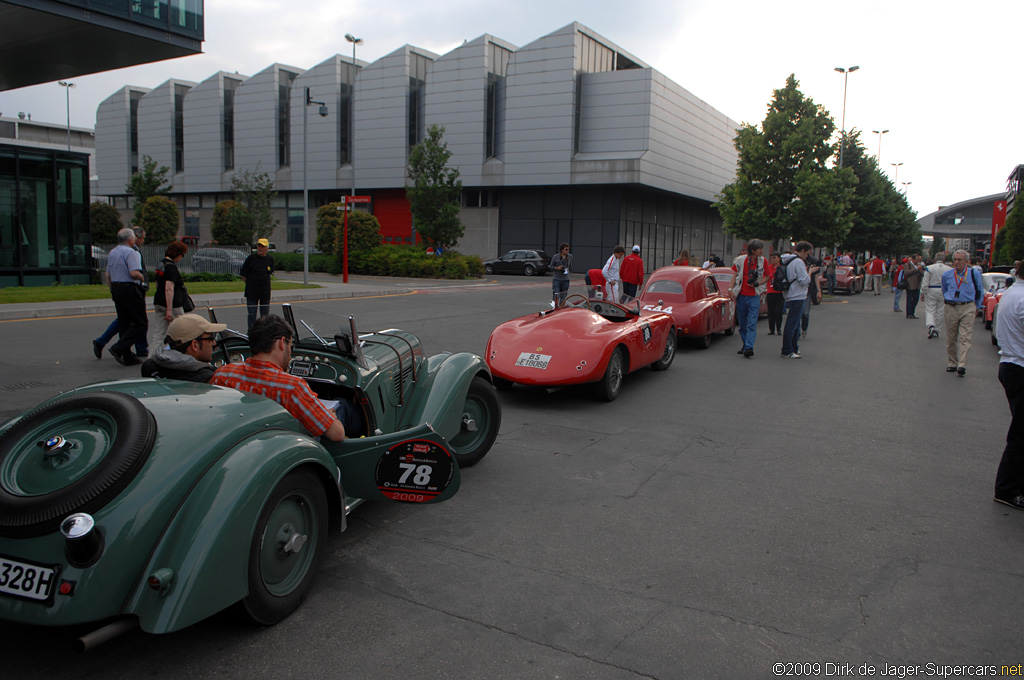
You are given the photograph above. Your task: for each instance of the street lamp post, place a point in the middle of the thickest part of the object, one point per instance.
(896, 174)
(846, 75)
(67, 85)
(879, 133)
(352, 147)
(905, 188)
(305, 187)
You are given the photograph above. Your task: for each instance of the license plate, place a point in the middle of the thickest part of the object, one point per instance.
(531, 360)
(26, 580)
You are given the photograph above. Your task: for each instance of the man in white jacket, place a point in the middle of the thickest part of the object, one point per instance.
(931, 289)
(610, 271)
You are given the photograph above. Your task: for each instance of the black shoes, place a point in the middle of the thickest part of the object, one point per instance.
(739, 351)
(1015, 502)
(748, 353)
(771, 332)
(97, 349)
(950, 369)
(961, 371)
(126, 359)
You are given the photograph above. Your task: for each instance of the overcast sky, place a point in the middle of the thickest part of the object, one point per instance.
(941, 76)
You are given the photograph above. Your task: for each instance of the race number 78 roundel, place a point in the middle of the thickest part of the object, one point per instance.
(415, 471)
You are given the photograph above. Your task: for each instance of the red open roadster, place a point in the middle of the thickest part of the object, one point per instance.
(584, 341)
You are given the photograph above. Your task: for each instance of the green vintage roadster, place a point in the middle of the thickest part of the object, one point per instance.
(157, 503)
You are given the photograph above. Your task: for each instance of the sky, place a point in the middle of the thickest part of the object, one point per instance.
(941, 76)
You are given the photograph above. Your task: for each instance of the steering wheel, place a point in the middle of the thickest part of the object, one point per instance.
(576, 300)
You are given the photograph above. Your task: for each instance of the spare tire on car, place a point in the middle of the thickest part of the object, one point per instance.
(72, 455)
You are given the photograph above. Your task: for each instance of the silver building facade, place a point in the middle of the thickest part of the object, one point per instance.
(567, 138)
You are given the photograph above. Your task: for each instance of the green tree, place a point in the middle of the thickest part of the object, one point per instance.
(882, 220)
(783, 188)
(939, 245)
(147, 182)
(231, 224)
(160, 219)
(254, 190)
(1013, 236)
(104, 222)
(436, 191)
(363, 230)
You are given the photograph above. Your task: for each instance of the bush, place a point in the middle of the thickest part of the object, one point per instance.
(160, 219)
(198, 276)
(292, 262)
(231, 224)
(363, 230)
(414, 262)
(104, 222)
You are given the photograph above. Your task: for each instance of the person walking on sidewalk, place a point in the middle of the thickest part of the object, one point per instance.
(125, 274)
(561, 265)
(799, 281)
(256, 272)
(751, 281)
(962, 292)
(876, 270)
(913, 271)
(931, 290)
(1009, 487)
(632, 273)
(774, 298)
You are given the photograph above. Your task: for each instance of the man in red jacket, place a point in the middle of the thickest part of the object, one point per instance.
(632, 275)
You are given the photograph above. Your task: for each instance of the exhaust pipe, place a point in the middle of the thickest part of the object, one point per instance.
(107, 632)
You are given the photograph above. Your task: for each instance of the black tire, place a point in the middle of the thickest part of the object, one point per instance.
(481, 408)
(529, 270)
(610, 385)
(668, 354)
(730, 330)
(488, 269)
(280, 579)
(703, 342)
(113, 434)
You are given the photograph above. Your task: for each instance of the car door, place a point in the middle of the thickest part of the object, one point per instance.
(718, 305)
(504, 265)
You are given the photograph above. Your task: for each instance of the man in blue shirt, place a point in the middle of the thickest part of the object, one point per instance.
(125, 276)
(962, 293)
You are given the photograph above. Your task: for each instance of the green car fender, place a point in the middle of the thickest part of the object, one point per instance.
(201, 559)
(440, 398)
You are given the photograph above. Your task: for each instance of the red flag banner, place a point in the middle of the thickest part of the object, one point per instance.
(998, 219)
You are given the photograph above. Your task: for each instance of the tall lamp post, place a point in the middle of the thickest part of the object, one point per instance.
(305, 187)
(896, 174)
(905, 188)
(879, 133)
(67, 85)
(846, 75)
(352, 147)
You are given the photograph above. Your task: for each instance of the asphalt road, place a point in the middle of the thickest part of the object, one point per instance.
(717, 519)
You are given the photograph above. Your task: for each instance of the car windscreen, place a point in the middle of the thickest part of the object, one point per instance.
(664, 286)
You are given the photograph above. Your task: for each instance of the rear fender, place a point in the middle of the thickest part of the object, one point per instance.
(206, 545)
(439, 401)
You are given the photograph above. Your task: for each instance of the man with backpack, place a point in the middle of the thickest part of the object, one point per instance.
(962, 292)
(798, 279)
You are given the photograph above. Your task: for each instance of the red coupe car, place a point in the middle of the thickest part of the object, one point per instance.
(584, 341)
(698, 302)
(846, 281)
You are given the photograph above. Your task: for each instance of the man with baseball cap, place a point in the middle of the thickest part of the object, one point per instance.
(190, 339)
(256, 272)
(631, 274)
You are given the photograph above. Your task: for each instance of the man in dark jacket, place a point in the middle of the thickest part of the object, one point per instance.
(256, 272)
(190, 339)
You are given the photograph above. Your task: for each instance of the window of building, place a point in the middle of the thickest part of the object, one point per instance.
(497, 69)
(133, 120)
(179, 127)
(295, 222)
(346, 102)
(192, 223)
(230, 85)
(417, 96)
(7, 129)
(284, 90)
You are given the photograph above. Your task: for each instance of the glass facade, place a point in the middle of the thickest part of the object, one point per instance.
(497, 68)
(134, 96)
(284, 89)
(230, 86)
(183, 17)
(346, 103)
(179, 126)
(44, 217)
(417, 84)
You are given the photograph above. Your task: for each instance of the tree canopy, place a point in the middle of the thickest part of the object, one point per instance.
(160, 219)
(784, 189)
(231, 224)
(254, 190)
(1010, 240)
(363, 230)
(147, 182)
(882, 220)
(436, 192)
(104, 222)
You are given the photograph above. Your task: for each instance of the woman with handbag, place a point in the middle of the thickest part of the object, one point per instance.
(171, 294)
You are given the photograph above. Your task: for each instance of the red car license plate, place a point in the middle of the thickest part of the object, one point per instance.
(26, 580)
